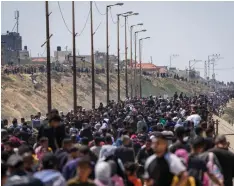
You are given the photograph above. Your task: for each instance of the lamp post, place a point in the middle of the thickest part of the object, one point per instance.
(49, 102)
(92, 56)
(131, 29)
(135, 59)
(126, 53)
(107, 52)
(195, 61)
(140, 55)
(171, 57)
(208, 63)
(118, 49)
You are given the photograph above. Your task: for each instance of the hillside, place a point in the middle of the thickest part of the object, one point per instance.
(229, 112)
(226, 129)
(21, 98)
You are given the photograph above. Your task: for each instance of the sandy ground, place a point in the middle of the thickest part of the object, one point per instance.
(21, 98)
(226, 128)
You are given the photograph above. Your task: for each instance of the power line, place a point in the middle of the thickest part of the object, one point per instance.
(63, 18)
(112, 17)
(98, 9)
(43, 52)
(79, 34)
(217, 68)
(97, 28)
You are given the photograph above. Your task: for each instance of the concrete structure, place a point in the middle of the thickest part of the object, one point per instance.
(24, 54)
(3, 60)
(61, 56)
(12, 45)
(100, 58)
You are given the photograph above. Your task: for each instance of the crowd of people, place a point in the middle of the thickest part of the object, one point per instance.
(34, 69)
(151, 141)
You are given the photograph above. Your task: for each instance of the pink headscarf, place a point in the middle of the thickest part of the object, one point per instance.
(183, 155)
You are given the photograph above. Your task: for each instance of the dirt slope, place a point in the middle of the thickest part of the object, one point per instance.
(226, 128)
(21, 98)
(229, 112)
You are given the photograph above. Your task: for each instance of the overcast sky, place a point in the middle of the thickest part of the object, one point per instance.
(193, 30)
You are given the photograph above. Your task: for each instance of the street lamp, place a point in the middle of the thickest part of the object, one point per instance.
(171, 57)
(195, 61)
(118, 49)
(126, 48)
(144, 30)
(140, 52)
(131, 29)
(107, 52)
(213, 56)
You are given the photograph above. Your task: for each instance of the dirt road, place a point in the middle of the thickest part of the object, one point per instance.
(226, 128)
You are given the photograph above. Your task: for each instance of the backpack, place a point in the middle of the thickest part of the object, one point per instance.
(213, 168)
(120, 168)
(197, 175)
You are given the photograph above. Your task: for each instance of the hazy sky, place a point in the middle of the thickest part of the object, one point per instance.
(193, 30)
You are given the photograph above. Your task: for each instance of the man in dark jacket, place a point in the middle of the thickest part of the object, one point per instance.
(125, 153)
(145, 152)
(86, 132)
(225, 158)
(54, 131)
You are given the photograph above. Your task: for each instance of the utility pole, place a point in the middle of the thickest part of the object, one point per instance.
(135, 64)
(140, 59)
(74, 59)
(151, 59)
(135, 59)
(107, 58)
(49, 104)
(208, 67)
(171, 57)
(107, 52)
(118, 57)
(17, 20)
(140, 67)
(213, 75)
(17, 31)
(170, 61)
(205, 70)
(92, 57)
(126, 58)
(131, 61)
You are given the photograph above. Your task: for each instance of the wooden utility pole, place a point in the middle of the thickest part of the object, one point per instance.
(74, 58)
(107, 58)
(140, 68)
(49, 104)
(92, 56)
(118, 57)
(135, 85)
(131, 73)
(126, 58)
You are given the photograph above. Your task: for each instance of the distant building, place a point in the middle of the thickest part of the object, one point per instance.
(100, 58)
(12, 45)
(39, 60)
(147, 67)
(61, 56)
(24, 54)
(3, 60)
